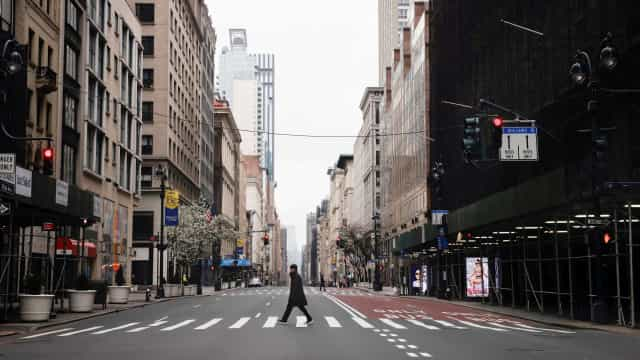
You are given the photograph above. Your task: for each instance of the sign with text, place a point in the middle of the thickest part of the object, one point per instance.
(172, 204)
(8, 172)
(24, 179)
(477, 277)
(519, 143)
(62, 193)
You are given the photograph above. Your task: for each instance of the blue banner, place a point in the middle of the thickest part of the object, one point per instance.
(238, 262)
(171, 217)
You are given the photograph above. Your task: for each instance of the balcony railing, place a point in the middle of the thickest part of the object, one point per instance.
(46, 80)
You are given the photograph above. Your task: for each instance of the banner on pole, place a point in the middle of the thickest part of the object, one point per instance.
(172, 204)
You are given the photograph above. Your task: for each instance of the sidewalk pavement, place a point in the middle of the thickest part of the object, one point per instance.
(548, 319)
(136, 300)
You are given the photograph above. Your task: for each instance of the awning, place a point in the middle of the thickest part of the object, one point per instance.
(68, 246)
(235, 262)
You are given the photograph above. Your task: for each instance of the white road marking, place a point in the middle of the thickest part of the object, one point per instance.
(386, 330)
(301, 321)
(391, 340)
(138, 329)
(546, 329)
(448, 324)
(46, 333)
(383, 335)
(268, 304)
(82, 331)
(271, 322)
(393, 335)
(197, 306)
(115, 328)
(362, 323)
(412, 346)
(480, 326)
(412, 354)
(421, 324)
(158, 323)
(240, 323)
(225, 294)
(332, 322)
(425, 354)
(514, 328)
(402, 340)
(208, 324)
(345, 306)
(402, 347)
(393, 324)
(178, 325)
(258, 315)
(163, 318)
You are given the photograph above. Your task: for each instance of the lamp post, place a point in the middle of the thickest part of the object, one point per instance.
(377, 286)
(160, 172)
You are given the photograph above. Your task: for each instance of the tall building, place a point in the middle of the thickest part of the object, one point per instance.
(176, 111)
(392, 17)
(248, 82)
(207, 53)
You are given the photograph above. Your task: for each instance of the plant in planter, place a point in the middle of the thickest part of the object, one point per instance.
(33, 305)
(82, 298)
(119, 294)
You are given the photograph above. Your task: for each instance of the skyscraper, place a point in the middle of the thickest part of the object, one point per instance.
(248, 82)
(392, 17)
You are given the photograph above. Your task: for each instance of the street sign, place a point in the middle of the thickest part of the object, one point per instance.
(5, 209)
(598, 222)
(519, 143)
(48, 226)
(8, 172)
(438, 216)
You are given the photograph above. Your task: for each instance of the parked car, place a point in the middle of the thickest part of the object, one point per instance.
(255, 282)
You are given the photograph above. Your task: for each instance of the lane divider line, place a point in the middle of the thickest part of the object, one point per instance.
(82, 331)
(208, 324)
(46, 333)
(178, 325)
(115, 328)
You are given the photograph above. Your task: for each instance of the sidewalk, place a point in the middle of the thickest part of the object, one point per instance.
(386, 290)
(136, 300)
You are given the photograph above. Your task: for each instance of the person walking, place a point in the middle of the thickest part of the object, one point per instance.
(322, 285)
(296, 297)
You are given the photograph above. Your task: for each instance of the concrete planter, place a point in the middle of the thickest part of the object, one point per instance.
(190, 290)
(172, 290)
(35, 307)
(81, 300)
(119, 294)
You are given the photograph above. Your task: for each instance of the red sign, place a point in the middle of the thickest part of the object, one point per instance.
(48, 226)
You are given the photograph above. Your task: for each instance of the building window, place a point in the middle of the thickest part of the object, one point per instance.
(146, 177)
(68, 173)
(147, 145)
(73, 15)
(30, 46)
(40, 51)
(71, 62)
(145, 13)
(147, 45)
(47, 119)
(147, 111)
(147, 78)
(95, 139)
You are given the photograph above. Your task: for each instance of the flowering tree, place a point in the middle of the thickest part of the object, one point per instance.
(198, 232)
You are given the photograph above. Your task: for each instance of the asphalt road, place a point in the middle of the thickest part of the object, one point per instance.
(240, 324)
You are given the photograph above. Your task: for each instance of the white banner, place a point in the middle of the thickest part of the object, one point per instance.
(477, 277)
(62, 193)
(24, 179)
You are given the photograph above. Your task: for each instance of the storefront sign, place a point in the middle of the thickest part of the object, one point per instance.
(62, 193)
(7, 172)
(24, 180)
(477, 277)
(140, 254)
(48, 226)
(97, 206)
(172, 203)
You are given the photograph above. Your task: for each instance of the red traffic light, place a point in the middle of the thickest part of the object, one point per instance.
(497, 121)
(47, 153)
(606, 237)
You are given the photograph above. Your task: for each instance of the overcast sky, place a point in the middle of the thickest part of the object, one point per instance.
(326, 54)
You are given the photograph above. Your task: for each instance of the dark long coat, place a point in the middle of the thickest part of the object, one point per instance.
(296, 293)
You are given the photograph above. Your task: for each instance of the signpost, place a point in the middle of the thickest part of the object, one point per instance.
(519, 143)
(7, 172)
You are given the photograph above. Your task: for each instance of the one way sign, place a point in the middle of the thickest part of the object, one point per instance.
(519, 143)
(5, 209)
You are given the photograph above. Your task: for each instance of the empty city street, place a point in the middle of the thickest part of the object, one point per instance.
(348, 324)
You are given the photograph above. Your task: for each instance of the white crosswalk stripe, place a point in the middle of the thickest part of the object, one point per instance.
(546, 329)
(421, 324)
(240, 323)
(448, 324)
(138, 329)
(178, 325)
(514, 328)
(121, 327)
(208, 324)
(271, 322)
(393, 324)
(332, 322)
(46, 333)
(82, 331)
(158, 323)
(478, 326)
(362, 323)
(301, 321)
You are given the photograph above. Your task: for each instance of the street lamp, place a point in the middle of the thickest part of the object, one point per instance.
(160, 172)
(377, 286)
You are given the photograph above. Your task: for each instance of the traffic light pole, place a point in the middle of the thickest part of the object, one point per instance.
(160, 292)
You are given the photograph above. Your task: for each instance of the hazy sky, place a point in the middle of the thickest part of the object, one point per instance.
(326, 54)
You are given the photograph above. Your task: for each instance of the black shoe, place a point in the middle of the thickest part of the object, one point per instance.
(282, 322)
(309, 322)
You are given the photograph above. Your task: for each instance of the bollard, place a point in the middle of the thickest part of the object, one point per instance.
(148, 295)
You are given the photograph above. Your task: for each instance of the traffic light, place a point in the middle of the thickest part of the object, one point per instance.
(600, 158)
(471, 139)
(265, 239)
(47, 161)
(495, 142)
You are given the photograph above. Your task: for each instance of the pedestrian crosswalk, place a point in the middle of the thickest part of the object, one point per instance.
(329, 322)
(285, 292)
